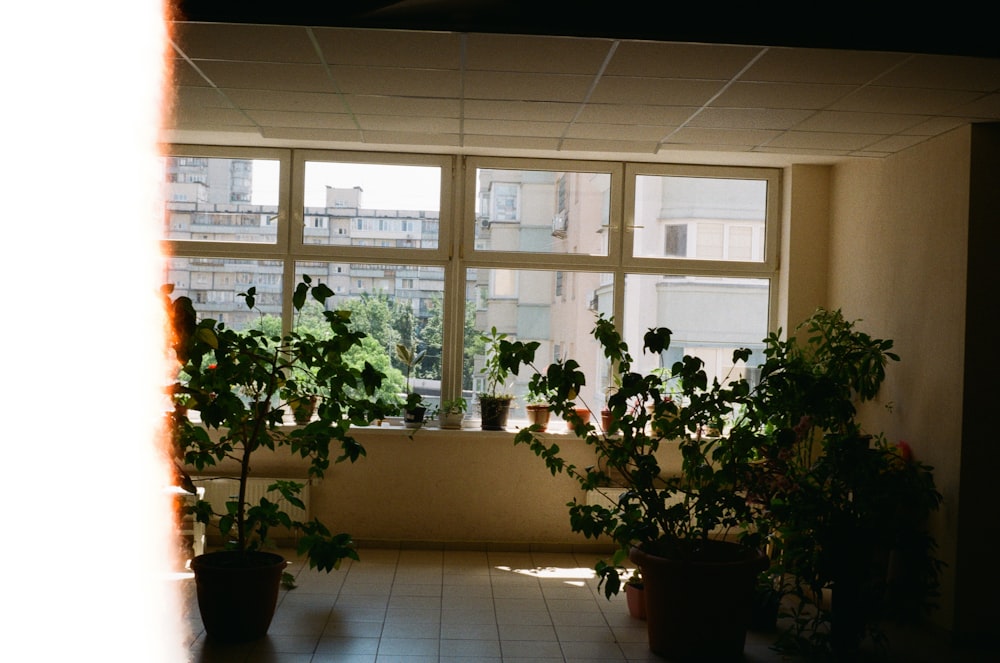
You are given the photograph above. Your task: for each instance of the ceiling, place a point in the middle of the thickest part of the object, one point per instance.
(436, 76)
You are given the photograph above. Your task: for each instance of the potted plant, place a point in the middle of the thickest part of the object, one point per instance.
(451, 412)
(503, 358)
(698, 582)
(839, 502)
(239, 383)
(537, 407)
(414, 409)
(635, 597)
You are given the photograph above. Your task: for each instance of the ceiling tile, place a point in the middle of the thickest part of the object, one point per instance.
(299, 133)
(874, 123)
(267, 76)
(302, 120)
(801, 96)
(831, 67)
(397, 82)
(244, 42)
(986, 107)
(945, 72)
(749, 118)
(934, 126)
(599, 146)
(420, 124)
(654, 91)
(385, 105)
(664, 60)
(525, 53)
(824, 140)
(319, 102)
(640, 114)
(917, 101)
(511, 142)
(526, 87)
(404, 138)
(390, 48)
(520, 110)
(736, 137)
(625, 132)
(515, 128)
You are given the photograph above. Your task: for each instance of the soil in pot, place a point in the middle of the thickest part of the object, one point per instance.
(237, 593)
(680, 593)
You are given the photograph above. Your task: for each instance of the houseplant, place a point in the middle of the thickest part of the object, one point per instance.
(503, 358)
(845, 509)
(414, 408)
(451, 412)
(672, 527)
(537, 408)
(239, 384)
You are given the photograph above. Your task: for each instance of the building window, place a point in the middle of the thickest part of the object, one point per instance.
(691, 248)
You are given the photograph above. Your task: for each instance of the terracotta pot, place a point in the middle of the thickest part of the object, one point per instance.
(237, 593)
(302, 410)
(635, 599)
(605, 420)
(680, 593)
(538, 414)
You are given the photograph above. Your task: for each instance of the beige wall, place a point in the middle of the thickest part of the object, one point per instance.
(898, 249)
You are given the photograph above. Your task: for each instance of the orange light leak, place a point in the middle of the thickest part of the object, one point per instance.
(88, 542)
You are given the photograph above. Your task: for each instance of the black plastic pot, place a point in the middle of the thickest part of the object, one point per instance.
(494, 413)
(237, 593)
(699, 608)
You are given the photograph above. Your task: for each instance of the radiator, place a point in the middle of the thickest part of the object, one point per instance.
(220, 491)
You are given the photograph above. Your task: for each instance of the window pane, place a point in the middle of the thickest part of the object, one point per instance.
(536, 211)
(556, 308)
(214, 285)
(699, 218)
(392, 304)
(363, 204)
(708, 318)
(221, 200)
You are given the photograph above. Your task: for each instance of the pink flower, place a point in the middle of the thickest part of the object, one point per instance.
(904, 451)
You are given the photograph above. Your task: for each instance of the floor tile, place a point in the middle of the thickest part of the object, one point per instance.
(454, 606)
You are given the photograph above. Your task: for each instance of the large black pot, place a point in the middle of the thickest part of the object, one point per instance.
(494, 413)
(237, 593)
(699, 607)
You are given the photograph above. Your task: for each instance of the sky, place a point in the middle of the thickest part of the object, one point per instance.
(385, 186)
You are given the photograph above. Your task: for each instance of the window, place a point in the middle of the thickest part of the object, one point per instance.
(539, 249)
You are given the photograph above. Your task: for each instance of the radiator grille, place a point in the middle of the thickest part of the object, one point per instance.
(220, 491)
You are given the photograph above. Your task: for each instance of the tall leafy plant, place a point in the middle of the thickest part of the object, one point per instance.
(240, 383)
(671, 515)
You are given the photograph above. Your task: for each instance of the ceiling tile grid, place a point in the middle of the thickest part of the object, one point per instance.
(456, 91)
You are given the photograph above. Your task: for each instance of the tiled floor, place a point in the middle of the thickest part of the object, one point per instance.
(449, 606)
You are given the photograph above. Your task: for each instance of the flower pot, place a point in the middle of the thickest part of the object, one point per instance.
(699, 607)
(414, 417)
(237, 593)
(451, 420)
(635, 600)
(538, 414)
(583, 413)
(494, 412)
(302, 409)
(606, 420)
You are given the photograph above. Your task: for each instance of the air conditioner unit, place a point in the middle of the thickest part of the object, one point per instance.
(559, 224)
(484, 222)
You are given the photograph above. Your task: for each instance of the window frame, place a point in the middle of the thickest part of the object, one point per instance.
(456, 253)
